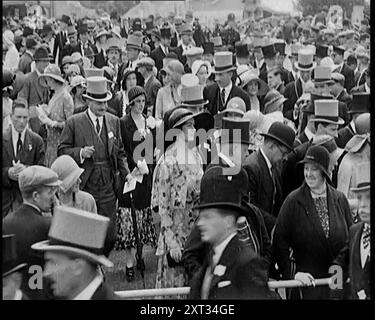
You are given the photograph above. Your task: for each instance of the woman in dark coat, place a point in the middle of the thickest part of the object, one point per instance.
(314, 222)
(134, 131)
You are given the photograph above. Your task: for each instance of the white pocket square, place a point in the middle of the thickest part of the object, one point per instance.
(223, 284)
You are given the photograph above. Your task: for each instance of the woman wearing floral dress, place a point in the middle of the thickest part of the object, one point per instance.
(134, 131)
(175, 191)
(59, 109)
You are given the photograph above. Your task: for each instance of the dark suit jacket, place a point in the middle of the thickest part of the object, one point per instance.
(104, 292)
(345, 98)
(344, 135)
(32, 153)
(359, 78)
(25, 63)
(179, 51)
(77, 134)
(349, 76)
(68, 49)
(100, 60)
(292, 92)
(152, 87)
(301, 139)
(261, 188)
(298, 227)
(246, 273)
(212, 94)
(29, 227)
(158, 56)
(60, 41)
(360, 88)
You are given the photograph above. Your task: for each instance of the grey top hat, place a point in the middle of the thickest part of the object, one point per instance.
(223, 62)
(97, 89)
(327, 111)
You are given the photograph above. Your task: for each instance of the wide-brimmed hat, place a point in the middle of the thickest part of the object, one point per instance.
(67, 170)
(248, 75)
(323, 75)
(134, 42)
(360, 102)
(181, 115)
(78, 233)
(327, 111)
(94, 72)
(52, 71)
(197, 64)
(102, 32)
(223, 62)
(10, 261)
(319, 156)
(363, 177)
(272, 101)
(77, 80)
(97, 89)
(41, 54)
(305, 60)
(37, 176)
(235, 131)
(224, 191)
(281, 133)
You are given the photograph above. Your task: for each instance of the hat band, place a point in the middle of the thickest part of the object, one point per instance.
(97, 95)
(58, 242)
(322, 80)
(306, 66)
(194, 102)
(331, 118)
(363, 185)
(223, 68)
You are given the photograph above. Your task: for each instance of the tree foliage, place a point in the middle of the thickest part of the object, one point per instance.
(121, 7)
(313, 7)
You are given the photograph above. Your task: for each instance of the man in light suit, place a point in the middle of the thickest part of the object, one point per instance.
(93, 140)
(21, 148)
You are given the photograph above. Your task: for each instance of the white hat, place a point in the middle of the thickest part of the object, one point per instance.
(193, 51)
(197, 64)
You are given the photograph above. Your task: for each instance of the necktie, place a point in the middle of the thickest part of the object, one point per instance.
(19, 144)
(97, 126)
(223, 97)
(208, 277)
(366, 236)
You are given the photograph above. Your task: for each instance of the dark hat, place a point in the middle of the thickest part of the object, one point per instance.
(71, 30)
(114, 15)
(31, 43)
(319, 156)
(269, 51)
(27, 31)
(231, 17)
(82, 29)
(280, 47)
(360, 103)
(137, 25)
(242, 49)
(208, 48)
(224, 191)
(8, 78)
(135, 92)
(47, 28)
(321, 51)
(339, 50)
(10, 259)
(150, 25)
(231, 128)
(65, 19)
(282, 134)
(41, 54)
(165, 33)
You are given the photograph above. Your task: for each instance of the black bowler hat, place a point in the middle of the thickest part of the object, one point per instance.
(321, 51)
(319, 156)
(41, 54)
(269, 51)
(208, 48)
(10, 260)
(224, 191)
(242, 50)
(282, 134)
(360, 103)
(229, 128)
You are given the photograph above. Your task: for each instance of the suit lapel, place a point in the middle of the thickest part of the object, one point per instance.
(109, 130)
(88, 127)
(267, 179)
(25, 150)
(7, 137)
(356, 249)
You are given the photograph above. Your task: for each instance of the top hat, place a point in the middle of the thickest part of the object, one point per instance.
(282, 133)
(37, 176)
(82, 29)
(360, 103)
(97, 89)
(78, 233)
(319, 156)
(224, 191)
(339, 50)
(280, 47)
(321, 51)
(223, 62)
(10, 259)
(165, 33)
(208, 48)
(322, 75)
(41, 54)
(71, 30)
(242, 50)
(134, 42)
(235, 131)
(310, 108)
(305, 60)
(65, 19)
(217, 41)
(327, 111)
(192, 96)
(67, 170)
(94, 72)
(363, 177)
(269, 51)
(47, 28)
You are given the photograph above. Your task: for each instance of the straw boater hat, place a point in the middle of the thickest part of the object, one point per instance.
(52, 71)
(134, 42)
(67, 170)
(10, 261)
(78, 233)
(363, 176)
(327, 111)
(97, 89)
(115, 44)
(223, 62)
(305, 60)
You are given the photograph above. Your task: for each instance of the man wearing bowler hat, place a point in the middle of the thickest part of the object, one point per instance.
(38, 186)
(343, 68)
(219, 93)
(93, 140)
(73, 256)
(230, 269)
(264, 170)
(160, 53)
(12, 267)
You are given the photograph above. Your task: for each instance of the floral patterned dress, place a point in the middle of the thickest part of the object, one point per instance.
(176, 188)
(60, 108)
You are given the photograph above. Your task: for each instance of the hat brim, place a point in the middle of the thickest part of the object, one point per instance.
(324, 81)
(338, 122)
(132, 46)
(97, 259)
(241, 209)
(107, 98)
(364, 188)
(15, 269)
(232, 110)
(53, 76)
(304, 69)
(263, 86)
(69, 181)
(224, 70)
(102, 34)
(195, 104)
(277, 139)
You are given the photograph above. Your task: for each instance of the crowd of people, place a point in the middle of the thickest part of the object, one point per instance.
(239, 153)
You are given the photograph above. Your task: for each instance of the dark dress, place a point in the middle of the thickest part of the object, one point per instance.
(141, 195)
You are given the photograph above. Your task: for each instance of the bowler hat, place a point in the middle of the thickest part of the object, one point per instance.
(78, 233)
(37, 176)
(363, 177)
(67, 170)
(41, 54)
(223, 62)
(97, 89)
(269, 51)
(224, 191)
(11, 262)
(319, 156)
(362, 123)
(231, 128)
(134, 42)
(360, 103)
(327, 111)
(281, 133)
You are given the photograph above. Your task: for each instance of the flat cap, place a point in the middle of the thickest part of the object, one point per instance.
(37, 176)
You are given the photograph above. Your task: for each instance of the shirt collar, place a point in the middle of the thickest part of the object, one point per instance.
(37, 72)
(269, 164)
(29, 52)
(32, 205)
(163, 48)
(309, 134)
(93, 117)
(228, 88)
(88, 292)
(148, 78)
(219, 249)
(15, 134)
